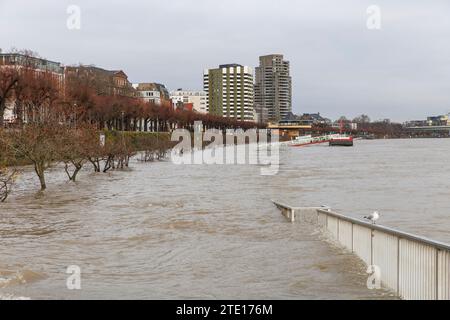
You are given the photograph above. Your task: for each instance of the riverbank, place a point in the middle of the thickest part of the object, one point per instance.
(134, 137)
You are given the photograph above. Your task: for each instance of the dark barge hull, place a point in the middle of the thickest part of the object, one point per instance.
(341, 143)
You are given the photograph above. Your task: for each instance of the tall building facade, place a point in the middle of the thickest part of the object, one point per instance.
(260, 115)
(229, 91)
(273, 86)
(197, 98)
(153, 92)
(105, 82)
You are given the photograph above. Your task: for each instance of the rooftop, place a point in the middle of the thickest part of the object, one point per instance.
(28, 57)
(230, 65)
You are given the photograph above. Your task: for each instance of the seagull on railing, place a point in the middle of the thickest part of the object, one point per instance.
(373, 217)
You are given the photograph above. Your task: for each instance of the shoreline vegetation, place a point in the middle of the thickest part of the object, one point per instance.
(62, 122)
(42, 146)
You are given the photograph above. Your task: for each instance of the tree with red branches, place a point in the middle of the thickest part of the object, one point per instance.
(9, 77)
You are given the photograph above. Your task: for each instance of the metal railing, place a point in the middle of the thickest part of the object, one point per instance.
(414, 267)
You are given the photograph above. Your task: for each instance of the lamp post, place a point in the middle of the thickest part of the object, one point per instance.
(75, 114)
(123, 129)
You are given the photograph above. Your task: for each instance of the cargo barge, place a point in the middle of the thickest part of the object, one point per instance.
(342, 141)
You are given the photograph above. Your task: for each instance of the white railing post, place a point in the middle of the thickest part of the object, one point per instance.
(437, 274)
(353, 245)
(398, 265)
(338, 231)
(371, 246)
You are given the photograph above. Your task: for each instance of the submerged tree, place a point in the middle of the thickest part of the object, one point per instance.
(74, 147)
(37, 143)
(7, 174)
(7, 178)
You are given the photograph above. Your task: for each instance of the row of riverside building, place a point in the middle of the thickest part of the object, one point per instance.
(432, 121)
(231, 90)
(234, 91)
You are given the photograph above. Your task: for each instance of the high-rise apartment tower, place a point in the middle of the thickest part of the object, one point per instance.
(229, 90)
(273, 86)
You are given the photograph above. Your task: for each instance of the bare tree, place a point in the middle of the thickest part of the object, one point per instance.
(364, 118)
(18, 74)
(37, 93)
(7, 178)
(9, 77)
(74, 147)
(7, 174)
(342, 119)
(37, 142)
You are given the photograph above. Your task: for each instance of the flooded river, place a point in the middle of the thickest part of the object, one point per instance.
(166, 231)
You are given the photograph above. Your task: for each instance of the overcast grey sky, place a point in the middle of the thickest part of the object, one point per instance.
(338, 66)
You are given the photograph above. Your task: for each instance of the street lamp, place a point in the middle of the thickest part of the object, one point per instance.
(75, 114)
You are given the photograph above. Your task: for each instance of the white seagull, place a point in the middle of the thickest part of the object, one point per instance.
(373, 217)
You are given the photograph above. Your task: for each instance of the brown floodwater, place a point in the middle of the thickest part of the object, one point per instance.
(166, 231)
